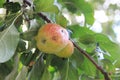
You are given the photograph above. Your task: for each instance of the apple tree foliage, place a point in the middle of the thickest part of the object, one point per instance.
(21, 60)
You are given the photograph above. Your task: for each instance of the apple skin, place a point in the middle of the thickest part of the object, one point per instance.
(51, 38)
(67, 51)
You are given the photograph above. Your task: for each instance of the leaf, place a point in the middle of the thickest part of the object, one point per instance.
(58, 62)
(69, 72)
(88, 68)
(21, 46)
(13, 73)
(89, 18)
(87, 10)
(28, 35)
(61, 20)
(5, 69)
(9, 39)
(80, 6)
(108, 66)
(78, 31)
(107, 45)
(46, 6)
(22, 74)
(86, 77)
(25, 58)
(12, 6)
(72, 73)
(37, 70)
(1, 3)
(76, 59)
(87, 37)
(46, 75)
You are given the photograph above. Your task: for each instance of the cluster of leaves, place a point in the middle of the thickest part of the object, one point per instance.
(35, 65)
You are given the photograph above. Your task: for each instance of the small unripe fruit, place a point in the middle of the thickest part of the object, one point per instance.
(52, 38)
(67, 51)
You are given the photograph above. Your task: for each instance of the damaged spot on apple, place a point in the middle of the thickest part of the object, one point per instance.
(43, 41)
(54, 38)
(62, 30)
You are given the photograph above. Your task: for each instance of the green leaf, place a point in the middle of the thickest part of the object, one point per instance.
(18, 22)
(87, 39)
(21, 46)
(86, 77)
(80, 6)
(109, 46)
(58, 62)
(5, 69)
(78, 31)
(89, 18)
(76, 59)
(73, 73)
(22, 74)
(90, 38)
(46, 75)
(88, 68)
(108, 66)
(87, 10)
(12, 6)
(25, 58)
(69, 72)
(37, 70)
(70, 4)
(1, 3)
(9, 39)
(87, 36)
(45, 6)
(61, 20)
(29, 35)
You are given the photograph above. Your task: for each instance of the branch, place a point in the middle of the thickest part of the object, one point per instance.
(91, 59)
(44, 17)
(27, 2)
(80, 49)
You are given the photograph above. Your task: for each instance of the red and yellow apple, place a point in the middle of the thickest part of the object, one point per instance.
(67, 51)
(52, 38)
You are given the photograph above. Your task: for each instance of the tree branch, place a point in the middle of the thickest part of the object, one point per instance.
(91, 59)
(106, 76)
(27, 2)
(44, 17)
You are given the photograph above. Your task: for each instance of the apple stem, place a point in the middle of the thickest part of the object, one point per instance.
(92, 60)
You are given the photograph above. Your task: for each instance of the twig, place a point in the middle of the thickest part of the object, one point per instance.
(27, 2)
(40, 14)
(91, 59)
(44, 17)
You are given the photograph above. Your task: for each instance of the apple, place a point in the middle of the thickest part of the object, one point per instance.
(67, 51)
(52, 38)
